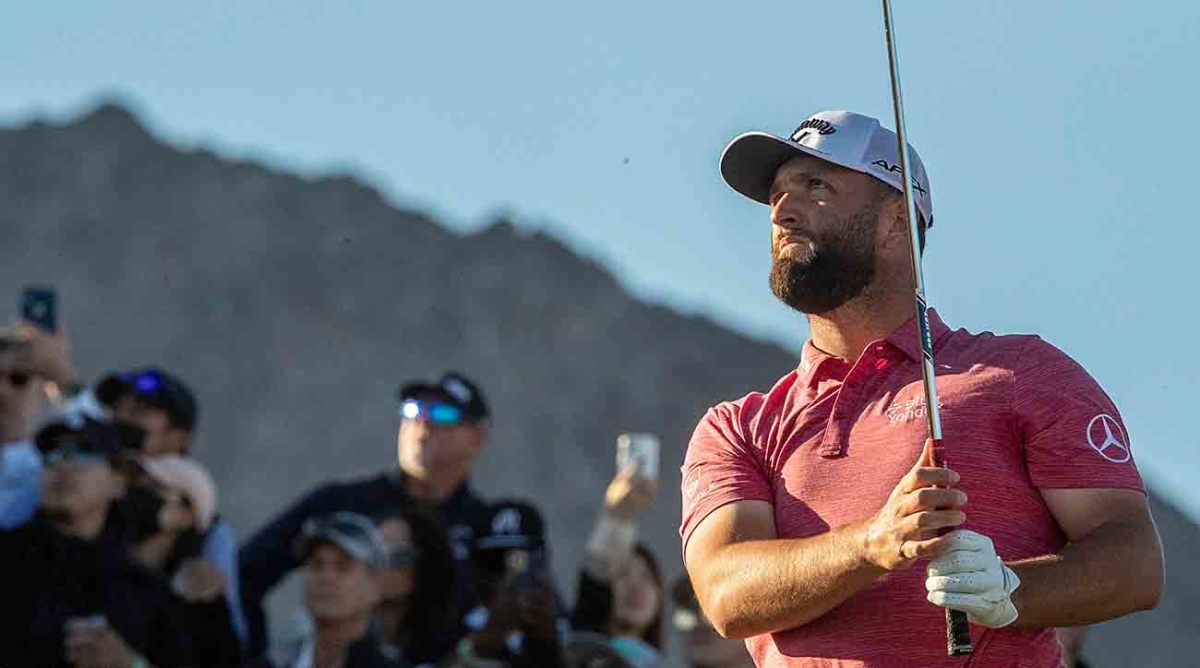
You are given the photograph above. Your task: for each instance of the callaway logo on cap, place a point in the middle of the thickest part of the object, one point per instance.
(844, 138)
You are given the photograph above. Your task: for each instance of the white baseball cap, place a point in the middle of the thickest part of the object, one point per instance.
(188, 477)
(844, 138)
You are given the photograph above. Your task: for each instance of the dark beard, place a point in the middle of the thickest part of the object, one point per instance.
(839, 267)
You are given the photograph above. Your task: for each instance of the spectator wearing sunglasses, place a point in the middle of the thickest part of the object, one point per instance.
(28, 358)
(165, 409)
(72, 594)
(442, 429)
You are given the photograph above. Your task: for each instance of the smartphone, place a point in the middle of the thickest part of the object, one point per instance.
(644, 449)
(39, 307)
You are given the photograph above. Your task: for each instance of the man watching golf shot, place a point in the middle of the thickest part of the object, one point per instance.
(815, 524)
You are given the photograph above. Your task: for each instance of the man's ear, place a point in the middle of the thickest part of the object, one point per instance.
(893, 222)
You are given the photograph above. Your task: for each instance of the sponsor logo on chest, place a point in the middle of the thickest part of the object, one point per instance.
(907, 409)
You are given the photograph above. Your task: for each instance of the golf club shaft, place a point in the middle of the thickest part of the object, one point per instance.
(958, 634)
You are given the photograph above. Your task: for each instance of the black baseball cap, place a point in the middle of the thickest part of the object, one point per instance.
(156, 388)
(510, 524)
(452, 388)
(354, 534)
(89, 435)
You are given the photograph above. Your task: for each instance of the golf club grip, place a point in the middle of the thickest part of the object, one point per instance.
(958, 633)
(958, 630)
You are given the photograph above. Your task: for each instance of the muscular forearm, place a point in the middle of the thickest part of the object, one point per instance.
(1113, 570)
(763, 586)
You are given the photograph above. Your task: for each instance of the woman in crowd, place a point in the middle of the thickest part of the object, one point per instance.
(620, 584)
(167, 511)
(416, 613)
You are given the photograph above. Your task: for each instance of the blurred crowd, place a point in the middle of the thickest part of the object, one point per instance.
(115, 553)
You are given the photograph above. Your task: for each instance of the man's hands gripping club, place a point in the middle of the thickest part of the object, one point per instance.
(922, 503)
(965, 572)
(739, 565)
(969, 576)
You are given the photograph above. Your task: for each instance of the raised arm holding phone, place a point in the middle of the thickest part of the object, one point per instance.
(620, 585)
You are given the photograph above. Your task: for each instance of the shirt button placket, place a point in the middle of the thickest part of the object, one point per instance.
(838, 427)
(837, 430)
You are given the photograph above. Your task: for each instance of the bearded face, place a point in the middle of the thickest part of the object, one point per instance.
(828, 266)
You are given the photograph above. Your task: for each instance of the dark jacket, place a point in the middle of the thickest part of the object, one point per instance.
(48, 577)
(216, 644)
(268, 556)
(593, 604)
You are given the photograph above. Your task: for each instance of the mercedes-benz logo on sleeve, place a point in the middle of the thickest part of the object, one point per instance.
(1105, 436)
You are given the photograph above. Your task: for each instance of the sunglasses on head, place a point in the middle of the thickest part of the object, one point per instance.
(435, 412)
(18, 379)
(145, 383)
(72, 454)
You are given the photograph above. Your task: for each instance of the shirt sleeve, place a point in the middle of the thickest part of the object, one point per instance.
(20, 483)
(220, 547)
(721, 467)
(1072, 433)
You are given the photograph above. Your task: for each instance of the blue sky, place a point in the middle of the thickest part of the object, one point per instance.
(1060, 143)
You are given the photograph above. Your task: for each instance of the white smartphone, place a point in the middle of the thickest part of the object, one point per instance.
(643, 448)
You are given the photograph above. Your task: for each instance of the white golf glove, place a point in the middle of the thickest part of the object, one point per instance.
(969, 576)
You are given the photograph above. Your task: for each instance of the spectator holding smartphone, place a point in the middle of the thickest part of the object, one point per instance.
(20, 463)
(30, 358)
(72, 594)
(620, 584)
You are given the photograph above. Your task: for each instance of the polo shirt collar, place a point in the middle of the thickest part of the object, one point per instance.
(904, 339)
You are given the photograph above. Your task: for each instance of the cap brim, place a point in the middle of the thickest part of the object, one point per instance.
(749, 162)
(352, 547)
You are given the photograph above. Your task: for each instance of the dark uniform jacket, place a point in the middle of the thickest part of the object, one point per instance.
(269, 555)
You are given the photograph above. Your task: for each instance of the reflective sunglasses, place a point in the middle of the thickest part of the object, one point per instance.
(72, 454)
(434, 412)
(18, 379)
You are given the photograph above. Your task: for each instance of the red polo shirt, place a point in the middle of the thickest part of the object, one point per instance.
(827, 444)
